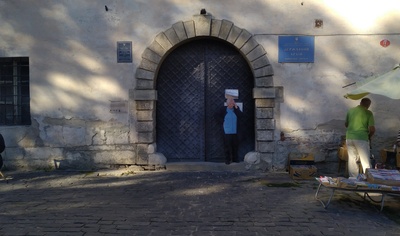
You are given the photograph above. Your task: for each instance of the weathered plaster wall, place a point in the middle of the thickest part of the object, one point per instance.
(314, 92)
(74, 72)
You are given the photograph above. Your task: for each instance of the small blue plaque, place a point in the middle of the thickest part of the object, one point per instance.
(124, 52)
(296, 49)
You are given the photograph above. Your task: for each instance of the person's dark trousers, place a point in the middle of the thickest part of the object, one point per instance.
(231, 143)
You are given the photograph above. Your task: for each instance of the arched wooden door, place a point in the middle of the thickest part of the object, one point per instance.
(190, 87)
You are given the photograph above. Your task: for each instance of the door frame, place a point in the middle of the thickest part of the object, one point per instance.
(143, 97)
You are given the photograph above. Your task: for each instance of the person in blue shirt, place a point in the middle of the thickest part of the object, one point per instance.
(231, 119)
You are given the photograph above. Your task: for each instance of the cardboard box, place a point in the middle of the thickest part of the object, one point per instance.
(398, 157)
(343, 140)
(390, 158)
(342, 153)
(301, 159)
(383, 176)
(303, 171)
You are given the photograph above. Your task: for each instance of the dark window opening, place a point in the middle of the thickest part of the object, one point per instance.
(14, 91)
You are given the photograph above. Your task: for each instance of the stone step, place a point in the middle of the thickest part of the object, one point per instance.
(204, 166)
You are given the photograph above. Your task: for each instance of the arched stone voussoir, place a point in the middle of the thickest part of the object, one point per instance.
(242, 39)
(162, 39)
(202, 25)
(250, 45)
(264, 71)
(225, 29)
(157, 48)
(172, 36)
(180, 31)
(144, 74)
(260, 62)
(215, 27)
(190, 29)
(234, 34)
(148, 65)
(150, 55)
(256, 53)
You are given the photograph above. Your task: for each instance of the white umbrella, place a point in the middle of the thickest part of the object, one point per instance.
(387, 85)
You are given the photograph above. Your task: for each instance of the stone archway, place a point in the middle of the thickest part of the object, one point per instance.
(144, 95)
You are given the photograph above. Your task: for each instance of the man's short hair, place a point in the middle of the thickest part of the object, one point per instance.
(365, 102)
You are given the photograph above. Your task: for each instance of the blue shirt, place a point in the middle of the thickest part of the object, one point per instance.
(230, 122)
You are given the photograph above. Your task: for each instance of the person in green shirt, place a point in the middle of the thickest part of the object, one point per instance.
(360, 126)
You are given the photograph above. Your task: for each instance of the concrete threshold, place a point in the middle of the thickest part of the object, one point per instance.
(205, 166)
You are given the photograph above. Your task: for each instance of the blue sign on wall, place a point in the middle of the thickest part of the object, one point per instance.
(124, 52)
(296, 49)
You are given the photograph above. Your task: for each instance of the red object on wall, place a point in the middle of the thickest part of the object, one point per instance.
(385, 43)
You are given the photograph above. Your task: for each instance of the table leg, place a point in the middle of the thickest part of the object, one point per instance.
(383, 201)
(330, 197)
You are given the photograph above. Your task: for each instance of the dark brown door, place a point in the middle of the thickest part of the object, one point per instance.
(191, 84)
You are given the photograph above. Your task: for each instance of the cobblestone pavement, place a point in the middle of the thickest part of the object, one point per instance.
(171, 202)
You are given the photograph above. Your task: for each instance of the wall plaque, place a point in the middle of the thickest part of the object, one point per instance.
(296, 49)
(118, 106)
(124, 52)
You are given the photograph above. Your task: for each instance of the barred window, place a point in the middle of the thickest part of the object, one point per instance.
(14, 91)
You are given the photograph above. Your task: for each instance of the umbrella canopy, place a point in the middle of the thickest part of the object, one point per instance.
(387, 85)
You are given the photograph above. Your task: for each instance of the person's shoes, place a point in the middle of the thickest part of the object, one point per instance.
(227, 162)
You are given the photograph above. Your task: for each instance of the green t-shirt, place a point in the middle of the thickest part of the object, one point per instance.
(358, 120)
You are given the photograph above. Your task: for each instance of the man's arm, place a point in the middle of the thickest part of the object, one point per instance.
(371, 131)
(238, 112)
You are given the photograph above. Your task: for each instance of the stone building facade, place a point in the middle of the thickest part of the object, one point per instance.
(264, 93)
(89, 111)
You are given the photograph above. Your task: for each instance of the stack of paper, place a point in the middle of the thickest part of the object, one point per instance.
(383, 176)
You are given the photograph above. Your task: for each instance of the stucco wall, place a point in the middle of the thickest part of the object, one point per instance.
(74, 74)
